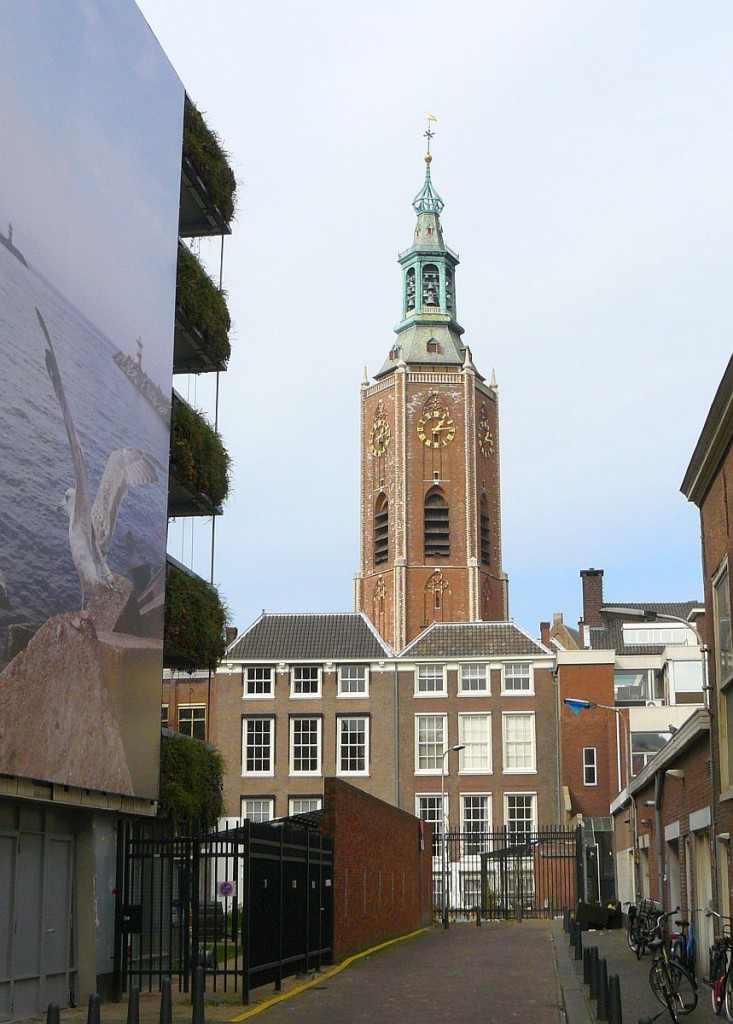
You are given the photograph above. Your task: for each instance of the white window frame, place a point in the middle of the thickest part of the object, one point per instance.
(485, 692)
(444, 809)
(265, 695)
(353, 694)
(510, 691)
(267, 772)
(319, 746)
(523, 770)
(263, 800)
(165, 716)
(443, 692)
(463, 719)
(466, 824)
(533, 795)
(723, 672)
(293, 682)
(340, 721)
(316, 800)
(191, 707)
(590, 764)
(430, 771)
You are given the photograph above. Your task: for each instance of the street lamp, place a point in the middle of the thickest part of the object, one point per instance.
(444, 895)
(576, 705)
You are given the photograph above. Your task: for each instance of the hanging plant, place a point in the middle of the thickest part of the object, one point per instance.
(203, 149)
(191, 783)
(195, 622)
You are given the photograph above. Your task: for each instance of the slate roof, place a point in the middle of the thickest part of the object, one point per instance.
(309, 636)
(473, 640)
(609, 637)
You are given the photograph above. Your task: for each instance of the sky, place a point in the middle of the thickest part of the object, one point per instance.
(583, 151)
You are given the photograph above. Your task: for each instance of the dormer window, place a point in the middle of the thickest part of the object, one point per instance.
(433, 345)
(394, 352)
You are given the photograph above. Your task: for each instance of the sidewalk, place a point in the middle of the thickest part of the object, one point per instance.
(637, 999)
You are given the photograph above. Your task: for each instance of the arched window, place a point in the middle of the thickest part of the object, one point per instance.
(485, 531)
(437, 525)
(410, 289)
(381, 530)
(430, 285)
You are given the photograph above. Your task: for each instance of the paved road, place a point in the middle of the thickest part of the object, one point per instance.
(467, 975)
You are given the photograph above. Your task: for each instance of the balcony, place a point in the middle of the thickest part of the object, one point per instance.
(201, 342)
(208, 185)
(195, 621)
(199, 465)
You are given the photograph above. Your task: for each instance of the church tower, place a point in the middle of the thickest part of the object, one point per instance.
(430, 508)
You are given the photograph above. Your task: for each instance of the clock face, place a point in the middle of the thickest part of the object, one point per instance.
(485, 437)
(381, 436)
(435, 428)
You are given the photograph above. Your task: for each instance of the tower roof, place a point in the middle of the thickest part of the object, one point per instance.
(428, 200)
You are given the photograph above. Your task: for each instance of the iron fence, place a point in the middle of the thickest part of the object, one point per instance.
(505, 874)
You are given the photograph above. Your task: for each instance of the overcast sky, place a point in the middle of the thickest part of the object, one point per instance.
(584, 154)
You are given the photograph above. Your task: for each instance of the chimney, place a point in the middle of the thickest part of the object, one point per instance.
(545, 633)
(231, 635)
(592, 596)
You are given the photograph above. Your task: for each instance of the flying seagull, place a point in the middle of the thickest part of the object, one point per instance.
(91, 529)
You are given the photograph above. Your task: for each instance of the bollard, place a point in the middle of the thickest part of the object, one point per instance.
(614, 1000)
(478, 917)
(572, 930)
(593, 972)
(586, 966)
(602, 1004)
(197, 997)
(53, 1014)
(93, 1010)
(578, 944)
(551, 910)
(133, 1005)
(166, 1004)
(566, 920)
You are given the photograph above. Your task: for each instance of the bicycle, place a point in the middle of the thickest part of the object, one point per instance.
(721, 993)
(672, 984)
(632, 927)
(682, 946)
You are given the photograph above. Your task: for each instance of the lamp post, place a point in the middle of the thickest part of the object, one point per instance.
(444, 894)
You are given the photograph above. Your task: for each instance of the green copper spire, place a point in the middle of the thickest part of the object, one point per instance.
(427, 200)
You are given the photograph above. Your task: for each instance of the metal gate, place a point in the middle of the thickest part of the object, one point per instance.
(250, 904)
(506, 874)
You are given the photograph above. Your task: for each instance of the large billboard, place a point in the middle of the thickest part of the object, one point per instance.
(91, 127)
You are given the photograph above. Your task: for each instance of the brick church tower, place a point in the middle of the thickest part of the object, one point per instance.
(430, 508)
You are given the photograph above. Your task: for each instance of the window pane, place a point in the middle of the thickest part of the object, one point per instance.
(305, 679)
(474, 733)
(430, 808)
(474, 679)
(631, 687)
(430, 679)
(352, 744)
(475, 823)
(644, 745)
(305, 733)
(519, 816)
(304, 804)
(589, 766)
(257, 810)
(430, 744)
(258, 681)
(192, 722)
(723, 635)
(517, 677)
(352, 679)
(519, 742)
(257, 746)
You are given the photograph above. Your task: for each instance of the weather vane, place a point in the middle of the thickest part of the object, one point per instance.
(429, 133)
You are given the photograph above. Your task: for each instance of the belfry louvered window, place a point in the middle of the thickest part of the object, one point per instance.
(381, 531)
(437, 526)
(485, 531)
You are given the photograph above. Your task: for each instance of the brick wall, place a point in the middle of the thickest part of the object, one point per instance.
(382, 878)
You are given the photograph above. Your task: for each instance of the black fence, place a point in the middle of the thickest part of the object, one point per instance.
(250, 904)
(506, 874)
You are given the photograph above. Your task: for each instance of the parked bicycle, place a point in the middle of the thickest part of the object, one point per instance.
(721, 992)
(682, 946)
(647, 913)
(672, 984)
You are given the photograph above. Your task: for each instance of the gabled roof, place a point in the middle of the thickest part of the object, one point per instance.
(474, 640)
(309, 636)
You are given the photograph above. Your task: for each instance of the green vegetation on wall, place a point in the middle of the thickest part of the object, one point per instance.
(202, 304)
(191, 781)
(198, 457)
(195, 622)
(203, 149)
